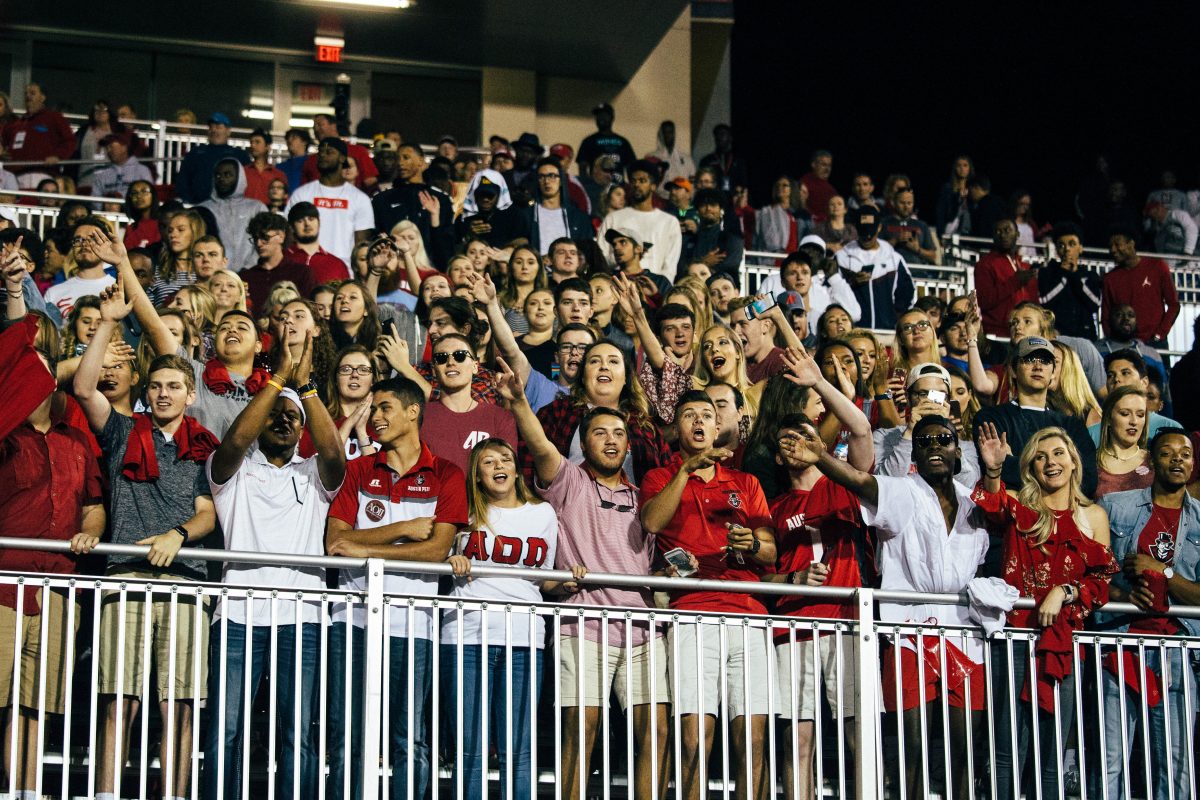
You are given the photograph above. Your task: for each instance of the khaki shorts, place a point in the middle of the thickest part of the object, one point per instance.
(54, 619)
(189, 648)
(696, 683)
(649, 685)
(801, 675)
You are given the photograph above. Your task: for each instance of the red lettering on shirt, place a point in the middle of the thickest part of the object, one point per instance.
(506, 550)
(331, 202)
(536, 554)
(476, 546)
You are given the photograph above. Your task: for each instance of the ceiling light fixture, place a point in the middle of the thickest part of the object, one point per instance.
(390, 4)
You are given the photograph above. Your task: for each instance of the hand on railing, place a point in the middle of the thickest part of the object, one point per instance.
(163, 547)
(83, 543)
(815, 574)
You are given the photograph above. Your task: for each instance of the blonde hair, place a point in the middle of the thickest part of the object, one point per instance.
(1073, 395)
(701, 377)
(880, 355)
(419, 255)
(281, 294)
(907, 360)
(1115, 396)
(1031, 495)
(477, 497)
(203, 304)
(240, 303)
(701, 303)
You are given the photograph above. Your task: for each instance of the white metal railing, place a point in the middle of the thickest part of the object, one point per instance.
(376, 714)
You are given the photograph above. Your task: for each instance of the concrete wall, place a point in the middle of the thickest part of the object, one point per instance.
(558, 109)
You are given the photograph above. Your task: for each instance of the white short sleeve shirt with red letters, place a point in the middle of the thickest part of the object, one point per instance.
(342, 210)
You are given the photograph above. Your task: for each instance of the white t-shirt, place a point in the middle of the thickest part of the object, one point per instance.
(655, 227)
(63, 295)
(269, 509)
(552, 224)
(525, 537)
(343, 211)
(916, 554)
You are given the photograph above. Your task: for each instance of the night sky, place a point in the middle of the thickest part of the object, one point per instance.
(1032, 93)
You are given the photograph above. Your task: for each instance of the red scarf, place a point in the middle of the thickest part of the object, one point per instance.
(22, 373)
(216, 378)
(194, 442)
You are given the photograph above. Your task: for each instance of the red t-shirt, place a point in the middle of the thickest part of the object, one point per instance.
(820, 524)
(1157, 540)
(769, 367)
(324, 266)
(699, 527)
(451, 434)
(999, 291)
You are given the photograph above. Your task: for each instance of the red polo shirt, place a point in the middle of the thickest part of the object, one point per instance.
(45, 481)
(259, 180)
(999, 291)
(324, 265)
(374, 494)
(699, 526)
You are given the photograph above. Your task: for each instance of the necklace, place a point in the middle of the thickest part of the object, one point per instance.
(1136, 452)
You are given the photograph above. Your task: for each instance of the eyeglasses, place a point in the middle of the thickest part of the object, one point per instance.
(266, 237)
(140, 190)
(609, 505)
(1037, 358)
(441, 359)
(572, 348)
(549, 176)
(79, 241)
(909, 327)
(928, 440)
(362, 370)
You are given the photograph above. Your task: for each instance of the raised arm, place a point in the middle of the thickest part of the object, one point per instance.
(982, 381)
(484, 292)
(113, 308)
(546, 458)
(331, 452)
(657, 512)
(630, 299)
(803, 370)
(12, 264)
(810, 449)
(111, 250)
(992, 447)
(775, 314)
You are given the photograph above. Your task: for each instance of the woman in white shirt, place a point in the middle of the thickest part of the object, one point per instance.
(509, 526)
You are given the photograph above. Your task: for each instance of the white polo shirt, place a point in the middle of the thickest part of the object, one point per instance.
(269, 509)
(916, 554)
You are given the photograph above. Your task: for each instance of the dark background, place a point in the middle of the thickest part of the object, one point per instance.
(1031, 92)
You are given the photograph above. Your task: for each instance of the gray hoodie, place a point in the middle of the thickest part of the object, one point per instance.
(233, 214)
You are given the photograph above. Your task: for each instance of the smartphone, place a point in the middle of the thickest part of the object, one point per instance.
(760, 306)
(936, 396)
(678, 558)
(898, 372)
(955, 409)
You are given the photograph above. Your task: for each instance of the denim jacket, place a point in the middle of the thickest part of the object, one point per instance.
(1128, 513)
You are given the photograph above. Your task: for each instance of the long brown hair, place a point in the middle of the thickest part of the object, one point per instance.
(633, 398)
(333, 402)
(168, 262)
(477, 497)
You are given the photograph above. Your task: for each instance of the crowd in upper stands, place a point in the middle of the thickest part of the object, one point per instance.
(542, 357)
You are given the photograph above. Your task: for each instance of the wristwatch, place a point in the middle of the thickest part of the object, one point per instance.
(1169, 573)
(182, 531)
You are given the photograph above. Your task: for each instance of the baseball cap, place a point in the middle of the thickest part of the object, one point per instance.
(1030, 345)
(789, 301)
(682, 183)
(448, 138)
(618, 233)
(1153, 205)
(813, 239)
(336, 143)
(303, 210)
(218, 118)
(927, 370)
(505, 152)
(291, 395)
(563, 151)
(383, 146)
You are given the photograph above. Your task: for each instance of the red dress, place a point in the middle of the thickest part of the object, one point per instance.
(1067, 557)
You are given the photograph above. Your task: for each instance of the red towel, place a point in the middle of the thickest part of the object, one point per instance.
(26, 380)
(216, 378)
(193, 440)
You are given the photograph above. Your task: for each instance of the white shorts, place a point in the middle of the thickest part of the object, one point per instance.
(745, 670)
(802, 674)
(628, 673)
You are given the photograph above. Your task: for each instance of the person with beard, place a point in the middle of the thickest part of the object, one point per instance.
(651, 227)
(1154, 534)
(880, 277)
(411, 199)
(232, 210)
(628, 251)
(719, 517)
(348, 217)
(1072, 292)
(304, 220)
(931, 541)
(91, 275)
(551, 216)
(712, 242)
(158, 497)
(268, 232)
(1143, 282)
(488, 211)
(270, 499)
(1003, 279)
(604, 142)
(1121, 325)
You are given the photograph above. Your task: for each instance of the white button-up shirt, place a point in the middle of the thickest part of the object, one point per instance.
(916, 554)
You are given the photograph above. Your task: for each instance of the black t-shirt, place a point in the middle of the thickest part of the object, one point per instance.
(602, 144)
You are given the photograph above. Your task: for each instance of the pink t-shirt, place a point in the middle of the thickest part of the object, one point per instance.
(603, 540)
(452, 434)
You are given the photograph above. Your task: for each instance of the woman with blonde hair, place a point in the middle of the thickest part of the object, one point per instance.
(916, 343)
(701, 302)
(874, 365)
(410, 249)
(1069, 389)
(228, 291)
(200, 308)
(174, 269)
(1122, 460)
(723, 359)
(502, 681)
(1056, 551)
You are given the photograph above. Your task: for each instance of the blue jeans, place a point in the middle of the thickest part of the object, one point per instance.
(283, 681)
(1021, 717)
(1156, 717)
(401, 739)
(500, 675)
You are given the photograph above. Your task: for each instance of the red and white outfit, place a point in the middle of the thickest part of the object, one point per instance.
(917, 554)
(453, 434)
(343, 211)
(374, 495)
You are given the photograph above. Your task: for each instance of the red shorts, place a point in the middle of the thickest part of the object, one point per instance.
(963, 672)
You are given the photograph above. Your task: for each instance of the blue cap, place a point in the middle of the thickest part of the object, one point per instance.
(218, 118)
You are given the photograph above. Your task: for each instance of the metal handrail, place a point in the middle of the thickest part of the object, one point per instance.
(592, 578)
(84, 198)
(68, 162)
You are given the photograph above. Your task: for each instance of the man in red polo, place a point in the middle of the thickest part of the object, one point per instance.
(1002, 279)
(716, 519)
(305, 221)
(406, 504)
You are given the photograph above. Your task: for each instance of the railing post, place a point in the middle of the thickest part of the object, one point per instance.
(160, 152)
(375, 639)
(866, 704)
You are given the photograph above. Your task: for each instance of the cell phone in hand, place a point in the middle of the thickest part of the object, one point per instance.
(936, 396)
(955, 409)
(760, 306)
(678, 558)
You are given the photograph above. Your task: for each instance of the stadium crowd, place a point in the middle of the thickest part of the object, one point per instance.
(500, 361)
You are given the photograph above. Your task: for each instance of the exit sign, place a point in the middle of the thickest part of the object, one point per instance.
(329, 49)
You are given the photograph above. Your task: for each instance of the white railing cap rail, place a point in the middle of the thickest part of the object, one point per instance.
(592, 578)
(83, 198)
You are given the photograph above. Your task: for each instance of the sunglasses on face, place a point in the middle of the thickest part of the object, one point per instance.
(925, 441)
(1037, 358)
(441, 359)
